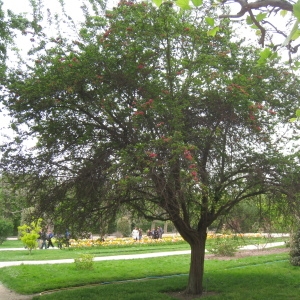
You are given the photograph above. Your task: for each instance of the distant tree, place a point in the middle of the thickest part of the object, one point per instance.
(147, 111)
(12, 201)
(6, 229)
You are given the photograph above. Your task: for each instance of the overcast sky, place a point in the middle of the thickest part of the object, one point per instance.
(72, 7)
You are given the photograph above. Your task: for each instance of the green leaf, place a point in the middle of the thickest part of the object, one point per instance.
(292, 119)
(298, 113)
(183, 4)
(296, 10)
(295, 35)
(295, 28)
(261, 16)
(249, 20)
(266, 53)
(283, 13)
(197, 2)
(213, 31)
(210, 21)
(157, 2)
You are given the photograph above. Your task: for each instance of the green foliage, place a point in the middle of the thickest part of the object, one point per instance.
(297, 116)
(123, 226)
(295, 249)
(225, 246)
(30, 233)
(6, 229)
(84, 262)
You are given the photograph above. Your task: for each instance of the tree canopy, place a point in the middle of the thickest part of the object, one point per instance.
(147, 111)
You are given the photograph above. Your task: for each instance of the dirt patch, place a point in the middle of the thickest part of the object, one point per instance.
(7, 294)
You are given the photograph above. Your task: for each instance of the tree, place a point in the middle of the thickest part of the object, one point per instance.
(6, 228)
(148, 112)
(11, 202)
(10, 24)
(269, 19)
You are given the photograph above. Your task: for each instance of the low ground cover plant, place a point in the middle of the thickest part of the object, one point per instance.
(225, 246)
(84, 262)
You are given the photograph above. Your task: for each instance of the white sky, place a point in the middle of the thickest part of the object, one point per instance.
(72, 7)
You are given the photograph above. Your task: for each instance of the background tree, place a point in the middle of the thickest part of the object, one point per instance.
(6, 229)
(148, 112)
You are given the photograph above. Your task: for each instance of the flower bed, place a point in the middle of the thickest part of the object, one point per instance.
(111, 241)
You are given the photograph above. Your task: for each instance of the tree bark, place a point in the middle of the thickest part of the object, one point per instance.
(195, 282)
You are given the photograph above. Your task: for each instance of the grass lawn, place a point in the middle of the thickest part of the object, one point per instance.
(99, 251)
(257, 277)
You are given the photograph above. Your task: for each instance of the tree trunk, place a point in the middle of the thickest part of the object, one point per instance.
(195, 282)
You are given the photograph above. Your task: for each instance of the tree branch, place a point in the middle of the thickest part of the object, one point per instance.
(245, 6)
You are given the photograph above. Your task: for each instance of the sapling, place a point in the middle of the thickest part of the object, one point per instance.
(29, 234)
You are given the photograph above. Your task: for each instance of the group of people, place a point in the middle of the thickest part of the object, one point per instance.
(137, 234)
(45, 239)
(155, 233)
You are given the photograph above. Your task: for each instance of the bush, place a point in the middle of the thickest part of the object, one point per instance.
(6, 228)
(295, 249)
(123, 226)
(84, 262)
(225, 247)
(29, 234)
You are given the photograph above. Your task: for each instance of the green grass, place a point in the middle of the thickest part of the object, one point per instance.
(66, 253)
(252, 278)
(48, 254)
(12, 244)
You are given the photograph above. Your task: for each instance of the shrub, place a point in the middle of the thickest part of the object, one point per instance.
(29, 234)
(225, 246)
(295, 249)
(84, 262)
(6, 228)
(124, 227)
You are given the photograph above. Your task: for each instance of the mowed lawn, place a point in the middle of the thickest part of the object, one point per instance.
(257, 277)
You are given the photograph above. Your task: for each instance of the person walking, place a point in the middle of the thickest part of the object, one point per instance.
(155, 234)
(67, 237)
(135, 234)
(149, 234)
(160, 232)
(43, 237)
(49, 238)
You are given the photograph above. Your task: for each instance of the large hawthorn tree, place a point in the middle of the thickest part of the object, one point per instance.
(147, 111)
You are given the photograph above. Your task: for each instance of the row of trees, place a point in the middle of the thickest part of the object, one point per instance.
(148, 113)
